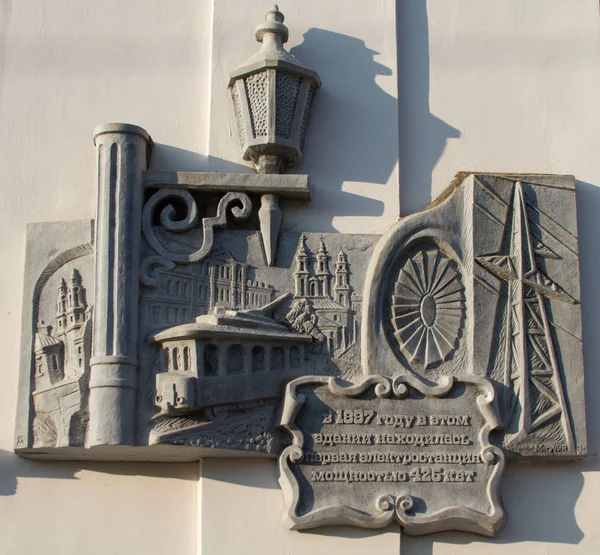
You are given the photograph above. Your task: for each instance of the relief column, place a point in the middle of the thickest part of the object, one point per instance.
(122, 155)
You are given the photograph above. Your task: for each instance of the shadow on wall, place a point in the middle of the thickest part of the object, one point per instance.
(352, 136)
(540, 499)
(170, 158)
(261, 474)
(13, 468)
(352, 131)
(588, 208)
(422, 136)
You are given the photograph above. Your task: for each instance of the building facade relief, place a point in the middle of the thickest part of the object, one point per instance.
(393, 375)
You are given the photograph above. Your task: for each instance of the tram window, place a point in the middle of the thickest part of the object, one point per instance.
(277, 358)
(235, 359)
(211, 360)
(258, 358)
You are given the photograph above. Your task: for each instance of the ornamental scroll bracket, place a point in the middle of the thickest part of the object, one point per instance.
(235, 188)
(170, 224)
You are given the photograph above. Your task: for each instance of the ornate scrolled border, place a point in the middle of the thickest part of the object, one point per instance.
(387, 507)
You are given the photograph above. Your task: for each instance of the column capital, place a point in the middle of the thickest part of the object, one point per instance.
(121, 129)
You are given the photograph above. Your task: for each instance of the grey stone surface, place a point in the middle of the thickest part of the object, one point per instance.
(182, 324)
(123, 153)
(486, 281)
(368, 453)
(438, 288)
(270, 217)
(52, 398)
(293, 186)
(248, 329)
(172, 224)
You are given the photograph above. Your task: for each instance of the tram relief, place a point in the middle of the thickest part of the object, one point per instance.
(393, 376)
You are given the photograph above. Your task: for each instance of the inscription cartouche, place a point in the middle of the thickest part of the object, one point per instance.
(384, 450)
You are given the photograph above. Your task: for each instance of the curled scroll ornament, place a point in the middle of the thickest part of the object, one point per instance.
(168, 221)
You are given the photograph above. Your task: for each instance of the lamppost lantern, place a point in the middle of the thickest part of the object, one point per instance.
(273, 95)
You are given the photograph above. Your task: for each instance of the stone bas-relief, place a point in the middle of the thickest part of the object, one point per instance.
(486, 282)
(218, 339)
(60, 395)
(184, 322)
(384, 450)
(226, 336)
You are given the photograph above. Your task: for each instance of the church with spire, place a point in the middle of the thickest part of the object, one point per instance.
(327, 295)
(62, 367)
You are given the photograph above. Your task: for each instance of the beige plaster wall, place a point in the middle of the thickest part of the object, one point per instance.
(481, 84)
(66, 66)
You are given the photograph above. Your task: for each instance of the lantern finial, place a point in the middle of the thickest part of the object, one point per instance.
(273, 25)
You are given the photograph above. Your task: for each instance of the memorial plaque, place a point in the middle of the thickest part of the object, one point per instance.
(381, 450)
(168, 328)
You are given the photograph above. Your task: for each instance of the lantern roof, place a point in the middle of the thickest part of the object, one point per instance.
(272, 55)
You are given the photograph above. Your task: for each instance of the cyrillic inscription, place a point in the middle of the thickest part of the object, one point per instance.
(392, 458)
(396, 420)
(391, 439)
(419, 474)
(386, 441)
